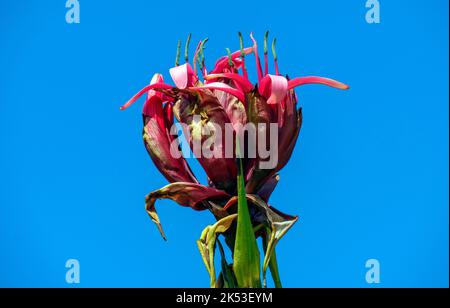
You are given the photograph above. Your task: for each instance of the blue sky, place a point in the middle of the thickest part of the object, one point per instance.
(369, 176)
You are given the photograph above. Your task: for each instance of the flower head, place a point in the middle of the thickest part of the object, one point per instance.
(211, 101)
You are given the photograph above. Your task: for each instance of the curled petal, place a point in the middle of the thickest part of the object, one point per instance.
(160, 144)
(243, 82)
(222, 87)
(317, 80)
(157, 78)
(153, 104)
(183, 76)
(161, 87)
(274, 88)
(185, 194)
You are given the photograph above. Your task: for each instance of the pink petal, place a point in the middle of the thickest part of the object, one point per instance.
(157, 87)
(220, 86)
(153, 108)
(317, 80)
(243, 82)
(154, 101)
(183, 76)
(274, 88)
(157, 78)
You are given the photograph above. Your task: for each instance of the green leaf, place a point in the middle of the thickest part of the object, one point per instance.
(278, 229)
(277, 225)
(246, 259)
(229, 281)
(207, 243)
(273, 264)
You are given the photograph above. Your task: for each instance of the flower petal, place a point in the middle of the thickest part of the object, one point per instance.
(157, 87)
(274, 88)
(290, 131)
(153, 105)
(157, 78)
(287, 138)
(222, 87)
(317, 80)
(185, 194)
(183, 76)
(243, 82)
(204, 122)
(160, 146)
(268, 187)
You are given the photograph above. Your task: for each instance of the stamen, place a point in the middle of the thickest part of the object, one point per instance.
(274, 52)
(199, 51)
(199, 61)
(202, 54)
(186, 48)
(266, 59)
(241, 42)
(230, 59)
(194, 62)
(258, 62)
(177, 59)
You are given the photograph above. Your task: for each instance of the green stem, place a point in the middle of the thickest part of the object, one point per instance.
(246, 254)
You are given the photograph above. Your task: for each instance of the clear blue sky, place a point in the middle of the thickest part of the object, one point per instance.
(369, 177)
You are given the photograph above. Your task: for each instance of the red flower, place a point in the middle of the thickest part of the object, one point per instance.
(226, 96)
